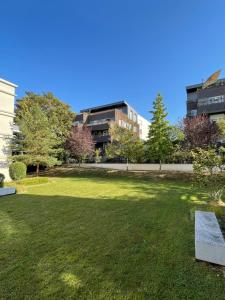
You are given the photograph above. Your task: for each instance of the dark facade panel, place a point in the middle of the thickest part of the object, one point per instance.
(102, 139)
(211, 108)
(211, 92)
(210, 100)
(79, 118)
(103, 115)
(97, 127)
(109, 106)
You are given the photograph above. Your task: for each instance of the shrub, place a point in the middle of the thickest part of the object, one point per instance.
(17, 170)
(208, 173)
(2, 178)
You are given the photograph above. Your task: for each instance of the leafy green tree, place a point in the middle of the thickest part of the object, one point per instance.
(124, 144)
(208, 173)
(159, 145)
(176, 135)
(37, 143)
(58, 114)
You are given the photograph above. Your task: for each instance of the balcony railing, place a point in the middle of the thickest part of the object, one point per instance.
(211, 108)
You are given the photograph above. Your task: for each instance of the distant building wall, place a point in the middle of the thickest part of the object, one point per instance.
(143, 127)
(7, 96)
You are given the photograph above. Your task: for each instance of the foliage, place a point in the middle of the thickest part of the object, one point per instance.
(2, 178)
(180, 155)
(221, 125)
(37, 143)
(80, 143)
(208, 171)
(159, 144)
(97, 156)
(87, 236)
(200, 131)
(124, 144)
(58, 114)
(17, 170)
(176, 135)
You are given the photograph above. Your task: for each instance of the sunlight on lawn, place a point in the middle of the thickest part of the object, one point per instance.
(89, 236)
(71, 280)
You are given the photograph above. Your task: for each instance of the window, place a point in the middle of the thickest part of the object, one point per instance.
(193, 112)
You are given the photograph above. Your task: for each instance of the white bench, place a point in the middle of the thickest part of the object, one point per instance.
(7, 191)
(209, 241)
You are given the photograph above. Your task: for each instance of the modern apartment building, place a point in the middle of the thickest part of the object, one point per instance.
(101, 118)
(7, 96)
(208, 100)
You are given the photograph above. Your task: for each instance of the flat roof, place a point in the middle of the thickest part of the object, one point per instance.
(199, 85)
(8, 83)
(109, 105)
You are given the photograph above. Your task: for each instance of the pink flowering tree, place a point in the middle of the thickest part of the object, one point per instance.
(200, 131)
(80, 143)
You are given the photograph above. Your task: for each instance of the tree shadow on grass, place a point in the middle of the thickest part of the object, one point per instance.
(61, 247)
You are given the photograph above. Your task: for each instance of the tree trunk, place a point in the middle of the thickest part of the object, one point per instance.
(37, 170)
(127, 164)
(160, 165)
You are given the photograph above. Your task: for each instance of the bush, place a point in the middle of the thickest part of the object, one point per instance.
(208, 173)
(2, 178)
(17, 170)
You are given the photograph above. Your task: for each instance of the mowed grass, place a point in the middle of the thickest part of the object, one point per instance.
(99, 235)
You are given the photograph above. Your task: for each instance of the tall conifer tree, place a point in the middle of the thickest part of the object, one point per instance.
(159, 145)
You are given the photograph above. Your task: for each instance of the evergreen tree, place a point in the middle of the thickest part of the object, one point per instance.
(159, 144)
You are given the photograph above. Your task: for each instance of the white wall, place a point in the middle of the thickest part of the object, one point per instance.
(144, 167)
(7, 96)
(144, 127)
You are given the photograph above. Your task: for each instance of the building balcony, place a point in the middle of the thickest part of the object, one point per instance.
(211, 108)
(102, 138)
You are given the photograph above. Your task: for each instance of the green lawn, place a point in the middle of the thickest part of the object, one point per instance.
(98, 235)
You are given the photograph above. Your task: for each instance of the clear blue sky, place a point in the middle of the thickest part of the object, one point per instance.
(93, 52)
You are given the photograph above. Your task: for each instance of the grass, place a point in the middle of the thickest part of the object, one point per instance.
(99, 235)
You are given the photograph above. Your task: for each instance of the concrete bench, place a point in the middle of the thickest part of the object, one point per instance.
(209, 241)
(7, 191)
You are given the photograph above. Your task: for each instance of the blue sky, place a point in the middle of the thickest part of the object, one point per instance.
(93, 52)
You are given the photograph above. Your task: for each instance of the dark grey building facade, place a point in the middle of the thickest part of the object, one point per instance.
(209, 100)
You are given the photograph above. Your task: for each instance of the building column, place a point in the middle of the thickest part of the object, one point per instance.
(7, 97)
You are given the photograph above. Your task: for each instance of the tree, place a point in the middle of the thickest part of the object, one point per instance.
(200, 131)
(176, 135)
(36, 143)
(159, 145)
(221, 125)
(80, 143)
(58, 114)
(208, 173)
(124, 144)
